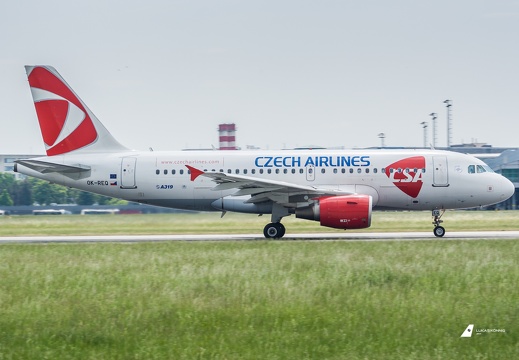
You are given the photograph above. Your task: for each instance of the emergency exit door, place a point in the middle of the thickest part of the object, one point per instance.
(128, 165)
(440, 171)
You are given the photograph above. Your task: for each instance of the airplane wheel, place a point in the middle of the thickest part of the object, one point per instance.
(439, 231)
(274, 231)
(282, 230)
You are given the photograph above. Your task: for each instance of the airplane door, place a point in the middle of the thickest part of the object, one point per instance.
(440, 171)
(128, 173)
(310, 173)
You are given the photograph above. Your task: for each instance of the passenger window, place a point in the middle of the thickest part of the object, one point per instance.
(157, 171)
(173, 172)
(245, 171)
(375, 170)
(181, 172)
(165, 171)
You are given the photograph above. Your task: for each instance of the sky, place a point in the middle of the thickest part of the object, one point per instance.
(289, 73)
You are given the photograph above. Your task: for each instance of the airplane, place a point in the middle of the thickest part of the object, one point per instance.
(338, 188)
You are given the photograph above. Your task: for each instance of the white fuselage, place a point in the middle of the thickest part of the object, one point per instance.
(395, 179)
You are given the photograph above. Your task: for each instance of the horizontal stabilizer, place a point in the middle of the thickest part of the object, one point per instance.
(76, 171)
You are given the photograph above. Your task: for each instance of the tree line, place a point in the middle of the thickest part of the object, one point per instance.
(30, 191)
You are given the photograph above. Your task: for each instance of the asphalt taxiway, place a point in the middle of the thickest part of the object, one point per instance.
(346, 236)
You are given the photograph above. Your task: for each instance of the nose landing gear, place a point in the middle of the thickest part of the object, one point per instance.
(438, 231)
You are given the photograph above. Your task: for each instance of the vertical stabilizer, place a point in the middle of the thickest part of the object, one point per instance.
(66, 123)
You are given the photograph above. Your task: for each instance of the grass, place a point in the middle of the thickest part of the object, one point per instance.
(211, 223)
(259, 300)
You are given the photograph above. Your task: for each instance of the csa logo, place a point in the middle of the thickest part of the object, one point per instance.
(407, 174)
(64, 121)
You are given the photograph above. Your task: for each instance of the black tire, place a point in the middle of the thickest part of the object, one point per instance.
(274, 231)
(439, 231)
(281, 230)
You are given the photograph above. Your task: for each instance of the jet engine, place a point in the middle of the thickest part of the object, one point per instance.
(340, 212)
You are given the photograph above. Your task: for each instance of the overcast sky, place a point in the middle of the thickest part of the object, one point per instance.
(289, 73)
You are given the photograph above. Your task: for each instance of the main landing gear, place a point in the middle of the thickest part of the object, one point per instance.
(438, 231)
(274, 230)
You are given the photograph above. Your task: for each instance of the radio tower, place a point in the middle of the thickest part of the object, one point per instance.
(449, 121)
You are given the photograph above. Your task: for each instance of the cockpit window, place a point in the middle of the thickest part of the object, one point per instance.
(479, 169)
(488, 168)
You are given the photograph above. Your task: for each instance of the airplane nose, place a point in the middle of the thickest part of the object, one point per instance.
(506, 188)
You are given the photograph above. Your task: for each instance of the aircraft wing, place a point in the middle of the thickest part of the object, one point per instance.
(76, 171)
(281, 192)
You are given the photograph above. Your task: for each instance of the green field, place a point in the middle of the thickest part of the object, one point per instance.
(257, 299)
(211, 223)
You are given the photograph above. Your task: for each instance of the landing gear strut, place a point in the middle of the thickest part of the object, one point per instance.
(274, 230)
(438, 231)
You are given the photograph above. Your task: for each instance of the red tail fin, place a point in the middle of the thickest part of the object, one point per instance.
(66, 123)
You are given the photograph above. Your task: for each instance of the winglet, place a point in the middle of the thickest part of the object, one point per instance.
(194, 172)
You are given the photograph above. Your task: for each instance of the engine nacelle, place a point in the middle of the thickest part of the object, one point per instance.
(340, 212)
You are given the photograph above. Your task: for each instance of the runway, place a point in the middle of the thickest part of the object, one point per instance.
(346, 236)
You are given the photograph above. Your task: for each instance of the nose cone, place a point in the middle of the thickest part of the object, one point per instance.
(505, 189)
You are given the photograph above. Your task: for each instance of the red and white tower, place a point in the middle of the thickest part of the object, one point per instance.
(227, 136)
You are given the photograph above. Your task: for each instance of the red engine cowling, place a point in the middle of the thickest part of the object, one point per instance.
(340, 212)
